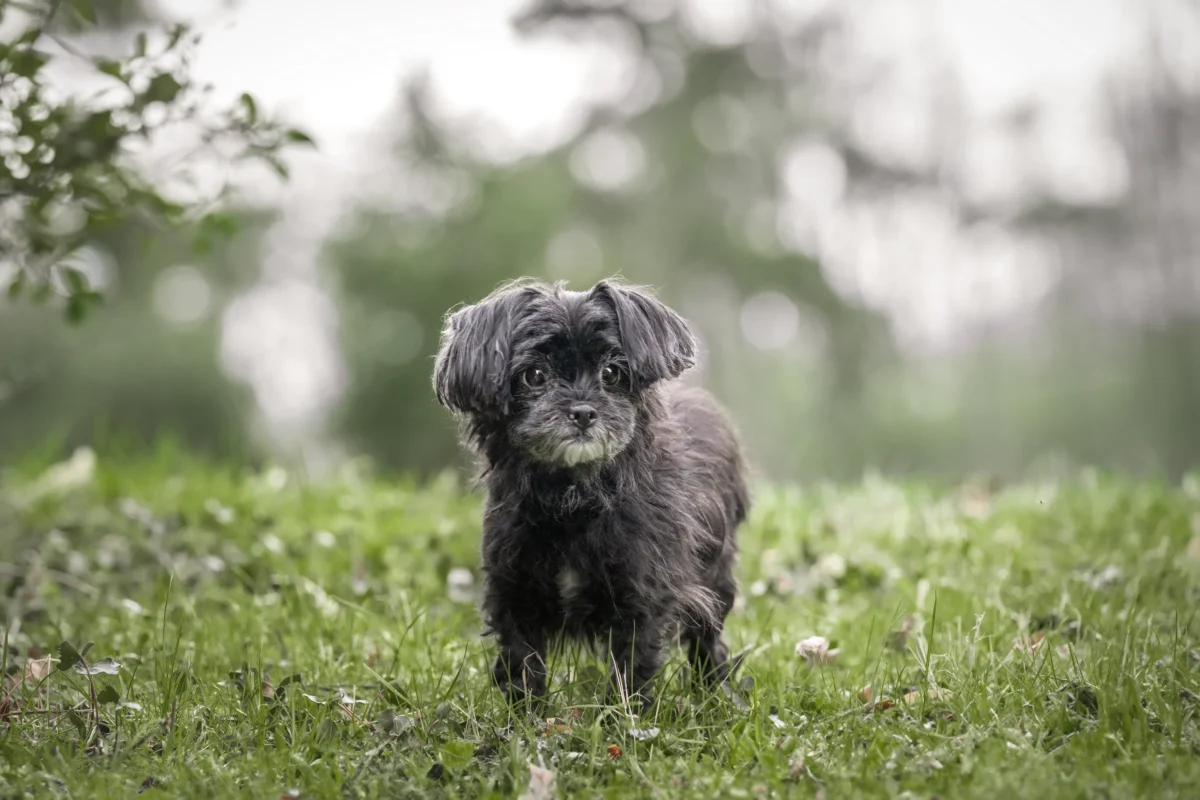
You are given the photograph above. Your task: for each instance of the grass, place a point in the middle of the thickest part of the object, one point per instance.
(285, 640)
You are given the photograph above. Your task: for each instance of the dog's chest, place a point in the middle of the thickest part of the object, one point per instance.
(570, 583)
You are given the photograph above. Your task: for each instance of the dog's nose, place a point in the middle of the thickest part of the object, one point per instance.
(583, 416)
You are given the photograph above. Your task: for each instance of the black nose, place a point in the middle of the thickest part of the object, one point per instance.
(583, 416)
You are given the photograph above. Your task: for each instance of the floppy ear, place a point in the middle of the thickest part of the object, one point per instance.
(658, 343)
(471, 372)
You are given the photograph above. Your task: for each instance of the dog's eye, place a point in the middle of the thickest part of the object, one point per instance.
(611, 375)
(535, 377)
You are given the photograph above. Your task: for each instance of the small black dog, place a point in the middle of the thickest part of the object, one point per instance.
(613, 492)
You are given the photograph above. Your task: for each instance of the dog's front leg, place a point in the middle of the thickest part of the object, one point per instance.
(520, 668)
(635, 657)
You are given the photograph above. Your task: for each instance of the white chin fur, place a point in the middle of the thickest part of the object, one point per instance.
(574, 453)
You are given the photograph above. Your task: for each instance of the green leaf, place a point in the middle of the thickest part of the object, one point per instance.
(41, 293)
(250, 107)
(163, 88)
(76, 280)
(178, 31)
(139, 45)
(85, 10)
(26, 63)
(68, 656)
(108, 695)
(110, 67)
(78, 305)
(77, 721)
(299, 137)
(281, 169)
(76, 309)
(15, 288)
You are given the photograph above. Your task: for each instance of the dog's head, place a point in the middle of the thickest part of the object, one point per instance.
(561, 374)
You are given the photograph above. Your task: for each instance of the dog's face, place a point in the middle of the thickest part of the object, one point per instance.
(561, 374)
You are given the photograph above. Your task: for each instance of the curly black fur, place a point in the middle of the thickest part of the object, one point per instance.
(613, 491)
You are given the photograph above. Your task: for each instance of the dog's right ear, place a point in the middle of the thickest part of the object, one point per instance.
(471, 372)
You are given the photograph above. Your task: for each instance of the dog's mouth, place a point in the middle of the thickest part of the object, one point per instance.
(580, 448)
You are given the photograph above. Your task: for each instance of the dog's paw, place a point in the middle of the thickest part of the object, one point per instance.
(527, 691)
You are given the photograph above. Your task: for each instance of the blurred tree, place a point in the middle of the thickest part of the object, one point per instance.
(679, 189)
(78, 220)
(65, 174)
(146, 363)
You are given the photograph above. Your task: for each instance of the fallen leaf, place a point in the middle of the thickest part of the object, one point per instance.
(1103, 578)
(460, 585)
(614, 752)
(65, 476)
(541, 783)
(815, 650)
(1029, 645)
(290, 794)
(898, 639)
(733, 696)
(36, 669)
(1193, 550)
(555, 725)
(105, 666)
(796, 765)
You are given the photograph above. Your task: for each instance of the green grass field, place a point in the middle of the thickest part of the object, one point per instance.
(269, 639)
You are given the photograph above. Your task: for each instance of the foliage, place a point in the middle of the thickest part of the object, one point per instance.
(281, 639)
(640, 191)
(130, 376)
(66, 176)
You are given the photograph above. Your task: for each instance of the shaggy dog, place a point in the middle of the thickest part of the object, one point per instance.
(614, 492)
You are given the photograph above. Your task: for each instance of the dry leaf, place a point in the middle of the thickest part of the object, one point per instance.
(555, 725)
(614, 752)
(541, 783)
(1029, 645)
(796, 765)
(1193, 550)
(898, 640)
(815, 650)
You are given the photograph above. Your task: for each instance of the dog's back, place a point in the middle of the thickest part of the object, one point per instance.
(711, 454)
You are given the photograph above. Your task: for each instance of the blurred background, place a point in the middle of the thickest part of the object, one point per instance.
(924, 237)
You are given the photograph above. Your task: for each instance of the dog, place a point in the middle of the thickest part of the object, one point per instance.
(613, 491)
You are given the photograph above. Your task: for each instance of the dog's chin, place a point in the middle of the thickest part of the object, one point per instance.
(581, 451)
(576, 451)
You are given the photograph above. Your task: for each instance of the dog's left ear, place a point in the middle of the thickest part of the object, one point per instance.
(657, 342)
(471, 372)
